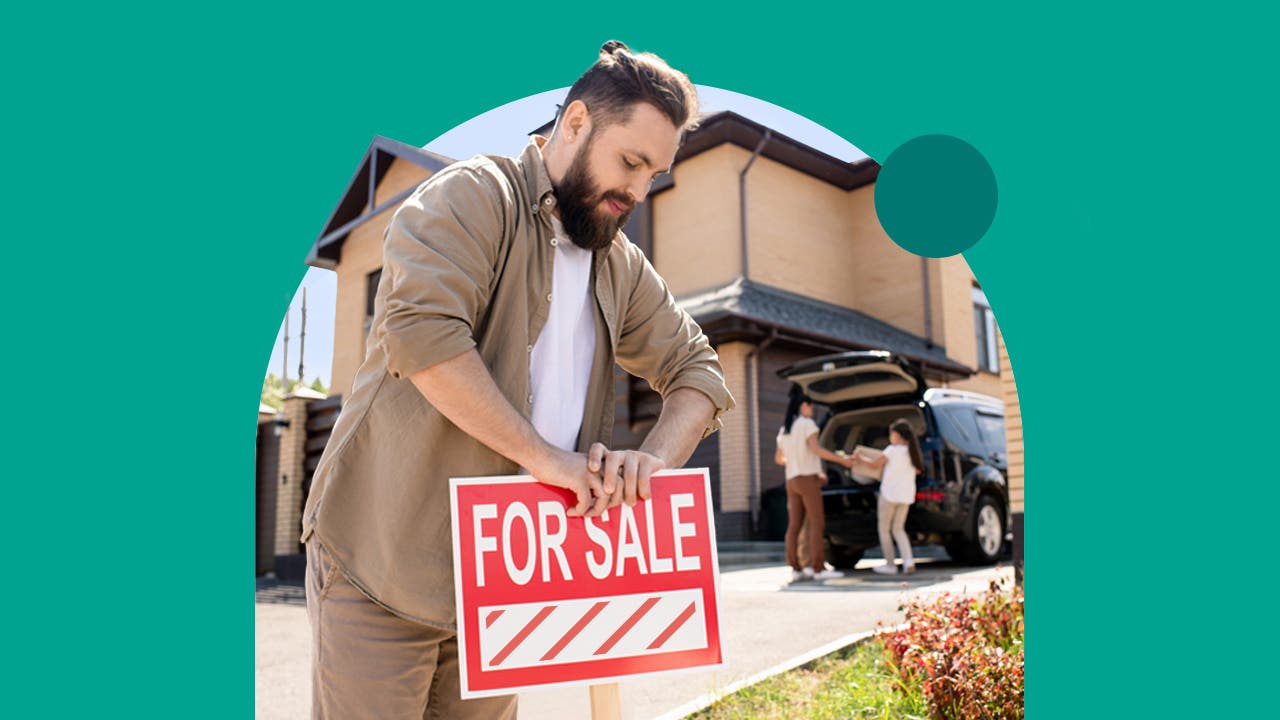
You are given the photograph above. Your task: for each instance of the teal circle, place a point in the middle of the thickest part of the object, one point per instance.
(936, 195)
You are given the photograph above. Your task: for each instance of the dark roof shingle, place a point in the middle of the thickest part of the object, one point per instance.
(774, 307)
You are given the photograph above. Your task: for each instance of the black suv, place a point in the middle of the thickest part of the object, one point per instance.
(962, 499)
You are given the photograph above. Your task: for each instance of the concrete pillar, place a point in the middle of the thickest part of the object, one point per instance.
(735, 465)
(293, 455)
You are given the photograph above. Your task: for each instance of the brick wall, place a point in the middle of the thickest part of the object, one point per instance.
(293, 455)
(735, 468)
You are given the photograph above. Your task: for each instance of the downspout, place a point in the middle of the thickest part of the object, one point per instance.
(753, 427)
(742, 197)
(753, 416)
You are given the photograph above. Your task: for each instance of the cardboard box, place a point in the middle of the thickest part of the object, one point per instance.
(864, 473)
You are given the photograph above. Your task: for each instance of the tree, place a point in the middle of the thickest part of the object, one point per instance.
(273, 391)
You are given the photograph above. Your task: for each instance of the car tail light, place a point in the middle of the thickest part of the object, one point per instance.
(930, 495)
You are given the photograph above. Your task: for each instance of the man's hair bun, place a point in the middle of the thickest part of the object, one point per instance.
(612, 47)
(620, 78)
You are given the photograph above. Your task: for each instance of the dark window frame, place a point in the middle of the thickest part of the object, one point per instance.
(984, 326)
(371, 281)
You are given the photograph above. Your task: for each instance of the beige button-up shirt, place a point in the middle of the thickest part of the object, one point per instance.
(468, 263)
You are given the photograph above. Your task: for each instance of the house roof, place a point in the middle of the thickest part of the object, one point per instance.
(730, 127)
(752, 311)
(356, 206)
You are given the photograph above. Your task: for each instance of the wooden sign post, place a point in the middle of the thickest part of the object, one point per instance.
(606, 704)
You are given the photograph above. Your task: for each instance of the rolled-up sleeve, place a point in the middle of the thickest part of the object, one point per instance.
(439, 256)
(662, 344)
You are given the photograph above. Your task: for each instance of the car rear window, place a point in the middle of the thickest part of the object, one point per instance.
(959, 425)
(992, 428)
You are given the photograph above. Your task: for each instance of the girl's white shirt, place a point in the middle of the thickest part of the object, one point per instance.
(898, 481)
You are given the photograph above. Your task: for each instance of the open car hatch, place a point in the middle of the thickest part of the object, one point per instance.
(854, 377)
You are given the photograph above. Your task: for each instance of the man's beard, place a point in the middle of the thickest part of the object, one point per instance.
(589, 227)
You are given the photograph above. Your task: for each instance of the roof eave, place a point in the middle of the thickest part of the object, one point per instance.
(353, 209)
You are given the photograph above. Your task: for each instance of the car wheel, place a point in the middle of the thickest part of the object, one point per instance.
(988, 532)
(842, 557)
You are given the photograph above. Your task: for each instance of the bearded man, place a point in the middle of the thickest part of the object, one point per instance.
(507, 295)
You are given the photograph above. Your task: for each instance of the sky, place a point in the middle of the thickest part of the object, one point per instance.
(504, 131)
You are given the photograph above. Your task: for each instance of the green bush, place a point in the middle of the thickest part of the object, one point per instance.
(965, 654)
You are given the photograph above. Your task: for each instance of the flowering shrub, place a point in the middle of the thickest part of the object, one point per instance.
(964, 653)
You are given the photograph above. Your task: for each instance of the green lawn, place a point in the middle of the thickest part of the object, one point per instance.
(856, 682)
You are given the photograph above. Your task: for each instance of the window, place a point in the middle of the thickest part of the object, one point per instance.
(370, 294)
(960, 428)
(992, 428)
(984, 323)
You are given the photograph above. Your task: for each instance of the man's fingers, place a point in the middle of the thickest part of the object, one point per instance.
(601, 504)
(618, 496)
(642, 484)
(647, 469)
(584, 501)
(612, 462)
(598, 497)
(630, 469)
(595, 456)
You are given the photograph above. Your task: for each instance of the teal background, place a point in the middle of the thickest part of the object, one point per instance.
(167, 169)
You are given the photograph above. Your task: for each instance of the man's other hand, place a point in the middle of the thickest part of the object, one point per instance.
(569, 470)
(625, 473)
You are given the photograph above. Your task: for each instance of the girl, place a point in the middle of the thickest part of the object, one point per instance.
(902, 461)
(799, 451)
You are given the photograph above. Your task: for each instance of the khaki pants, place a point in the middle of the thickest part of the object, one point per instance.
(891, 521)
(804, 506)
(367, 662)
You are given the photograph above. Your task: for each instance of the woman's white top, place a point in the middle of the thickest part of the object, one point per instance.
(795, 447)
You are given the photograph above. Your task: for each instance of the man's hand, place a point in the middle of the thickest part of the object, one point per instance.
(625, 473)
(462, 389)
(569, 470)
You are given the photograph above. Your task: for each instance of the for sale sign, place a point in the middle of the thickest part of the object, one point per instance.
(544, 598)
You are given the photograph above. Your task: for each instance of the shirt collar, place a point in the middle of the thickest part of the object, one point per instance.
(535, 175)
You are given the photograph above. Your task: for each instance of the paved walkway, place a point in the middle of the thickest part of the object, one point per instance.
(765, 622)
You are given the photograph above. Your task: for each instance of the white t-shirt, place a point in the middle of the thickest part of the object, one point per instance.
(560, 366)
(795, 447)
(898, 481)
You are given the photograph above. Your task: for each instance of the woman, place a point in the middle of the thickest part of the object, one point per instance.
(799, 451)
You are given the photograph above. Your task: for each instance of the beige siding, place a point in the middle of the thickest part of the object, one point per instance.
(958, 332)
(361, 255)
(1012, 428)
(801, 233)
(955, 329)
(735, 471)
(695, 224)
(888, 278)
